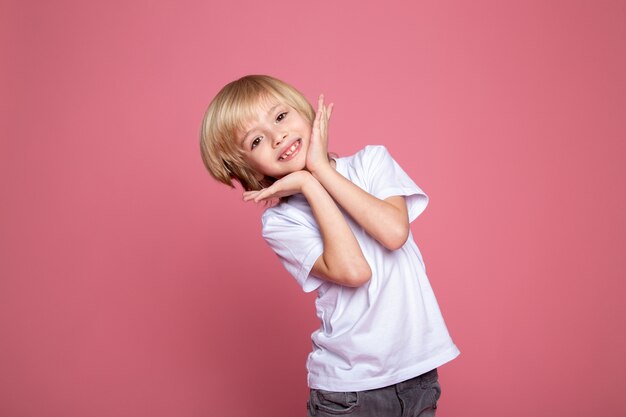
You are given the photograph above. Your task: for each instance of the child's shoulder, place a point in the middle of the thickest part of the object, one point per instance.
(372, 150)
(369, 155)
(289, 211)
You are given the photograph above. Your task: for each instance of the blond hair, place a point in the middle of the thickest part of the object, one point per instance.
(224, 121)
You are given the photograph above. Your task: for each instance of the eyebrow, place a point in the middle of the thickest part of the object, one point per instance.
(270, 111)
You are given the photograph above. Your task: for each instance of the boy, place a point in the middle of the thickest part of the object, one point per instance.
(341, 228)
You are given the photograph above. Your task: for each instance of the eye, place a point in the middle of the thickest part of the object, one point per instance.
(255, 142)
(281, 116)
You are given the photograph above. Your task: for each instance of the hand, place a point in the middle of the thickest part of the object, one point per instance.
(288, 185)
(317, 155)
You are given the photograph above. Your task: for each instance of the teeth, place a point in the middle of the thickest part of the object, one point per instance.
(290, 150)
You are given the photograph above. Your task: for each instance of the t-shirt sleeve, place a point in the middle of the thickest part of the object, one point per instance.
(297, 243)
(385, 178)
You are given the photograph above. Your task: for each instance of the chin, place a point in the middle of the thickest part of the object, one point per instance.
(301, 166)
(292, 169)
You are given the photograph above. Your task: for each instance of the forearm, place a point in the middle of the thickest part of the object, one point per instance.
(386, 222)
(342, 260)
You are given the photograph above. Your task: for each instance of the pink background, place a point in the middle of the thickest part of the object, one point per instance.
(131, 284)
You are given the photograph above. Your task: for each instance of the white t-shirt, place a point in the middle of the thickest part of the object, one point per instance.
(386, 331)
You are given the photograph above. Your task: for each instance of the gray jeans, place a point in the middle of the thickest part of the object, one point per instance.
(411, 398)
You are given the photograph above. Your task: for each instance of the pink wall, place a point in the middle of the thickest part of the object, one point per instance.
(131, 284)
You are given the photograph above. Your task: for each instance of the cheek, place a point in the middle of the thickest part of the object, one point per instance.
(260, 161)
(306, 125)
(255, 165)
(257, 170)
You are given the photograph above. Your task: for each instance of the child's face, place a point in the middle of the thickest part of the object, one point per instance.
(275, 141)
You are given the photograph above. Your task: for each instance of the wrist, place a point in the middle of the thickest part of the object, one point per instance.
(321, 170)
(309, 184)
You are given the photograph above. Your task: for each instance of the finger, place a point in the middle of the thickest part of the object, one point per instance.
(320, 102)
(264, 194)
(316, 125)
(260, 198)
(330, 110)
(318, 113)
(249, 195)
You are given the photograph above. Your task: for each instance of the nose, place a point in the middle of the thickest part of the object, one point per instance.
(279, 137)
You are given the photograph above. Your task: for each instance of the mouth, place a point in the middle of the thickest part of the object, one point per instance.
(292, 151)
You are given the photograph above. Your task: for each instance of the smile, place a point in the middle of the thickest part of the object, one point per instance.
(292, 151)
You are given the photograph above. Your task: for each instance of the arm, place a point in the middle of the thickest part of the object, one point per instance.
(342, 260)
(387, 220)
